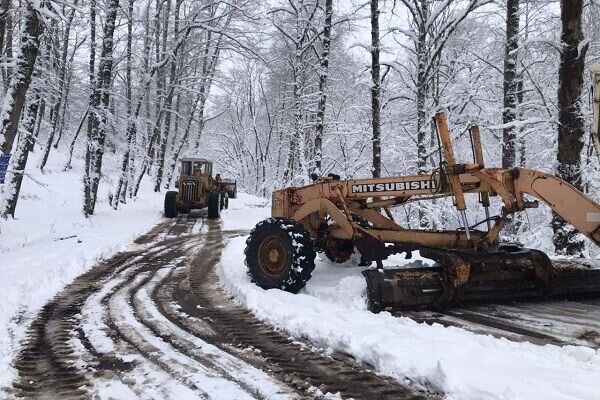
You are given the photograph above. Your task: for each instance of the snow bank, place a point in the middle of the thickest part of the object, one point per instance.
(50, 243)
(245, 211)
(331, 311)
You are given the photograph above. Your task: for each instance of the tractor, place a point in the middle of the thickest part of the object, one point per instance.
(230, 187)
(196, 189)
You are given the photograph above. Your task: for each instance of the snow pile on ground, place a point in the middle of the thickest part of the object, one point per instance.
(50, 243)
(245, 211)
(331, 312)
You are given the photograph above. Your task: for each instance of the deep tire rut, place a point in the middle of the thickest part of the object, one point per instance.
(294, 363)
(163, 314)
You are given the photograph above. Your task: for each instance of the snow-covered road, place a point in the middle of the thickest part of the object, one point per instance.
(331, 312)
(174, 316)
(152, 322)
(106, 334)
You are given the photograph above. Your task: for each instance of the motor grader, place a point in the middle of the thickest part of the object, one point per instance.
(196, 189)
(471, 264)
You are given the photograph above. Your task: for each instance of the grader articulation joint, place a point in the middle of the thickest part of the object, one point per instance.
(471, 264)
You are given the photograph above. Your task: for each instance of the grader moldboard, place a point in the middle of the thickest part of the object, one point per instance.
(196, 189)
(471, 265)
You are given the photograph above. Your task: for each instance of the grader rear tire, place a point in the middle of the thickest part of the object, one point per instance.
(171, 204)
(341, 250)
(338, 250)
(214, 205)
(280, 255)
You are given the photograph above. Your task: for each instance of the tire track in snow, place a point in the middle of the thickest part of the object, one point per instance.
(295, 362)
(131, 327)
(47, 363)
(118, 355)
(246, 376)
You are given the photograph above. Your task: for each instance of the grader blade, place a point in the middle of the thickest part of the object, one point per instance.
(460, 278)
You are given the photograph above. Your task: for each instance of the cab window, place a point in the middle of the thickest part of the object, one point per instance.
(186, 168)
(199, 167)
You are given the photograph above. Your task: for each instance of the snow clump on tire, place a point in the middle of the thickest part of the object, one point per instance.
(299, 254)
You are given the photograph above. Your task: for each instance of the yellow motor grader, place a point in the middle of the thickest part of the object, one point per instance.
(197, 189)
(471, 263)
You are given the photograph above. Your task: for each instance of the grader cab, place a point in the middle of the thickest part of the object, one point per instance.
(196, 189)
(471, 263)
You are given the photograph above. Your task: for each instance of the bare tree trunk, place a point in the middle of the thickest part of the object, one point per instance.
(5, 6)
(375, 89)
(67, 91)
(119, 194)
(521, 141)
(99, 112)
(168, 105)
(323, 76)
(13, 105)
(571, 125)
(6, 46)
(61, 100)
(38, 124)
(91, 109)
(21, 79)
(72, 146)
(423, 58)
(296, 135)
(509, 114)
(24, 146)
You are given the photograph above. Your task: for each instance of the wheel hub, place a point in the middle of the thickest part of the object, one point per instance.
(272, 256)
(339, 250)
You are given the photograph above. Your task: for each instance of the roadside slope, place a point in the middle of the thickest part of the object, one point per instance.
(51, 242)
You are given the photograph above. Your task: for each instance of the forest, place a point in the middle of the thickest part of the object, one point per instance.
(274, 91)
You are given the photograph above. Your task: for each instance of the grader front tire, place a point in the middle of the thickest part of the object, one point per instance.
(171, 204)
(280, 255)
(214, 205)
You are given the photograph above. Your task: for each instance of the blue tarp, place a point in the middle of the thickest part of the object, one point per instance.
(4, 160)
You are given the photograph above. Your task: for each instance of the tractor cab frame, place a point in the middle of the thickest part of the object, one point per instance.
(196, 189)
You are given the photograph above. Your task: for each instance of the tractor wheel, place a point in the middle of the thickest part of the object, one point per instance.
(280, 254)
(338, 250)
(171, 204)
(214, 205)
(341, 250)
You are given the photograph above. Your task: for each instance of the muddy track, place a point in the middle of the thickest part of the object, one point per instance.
(153, 322)
(574, 322)
(292, 361)
(47, 363)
